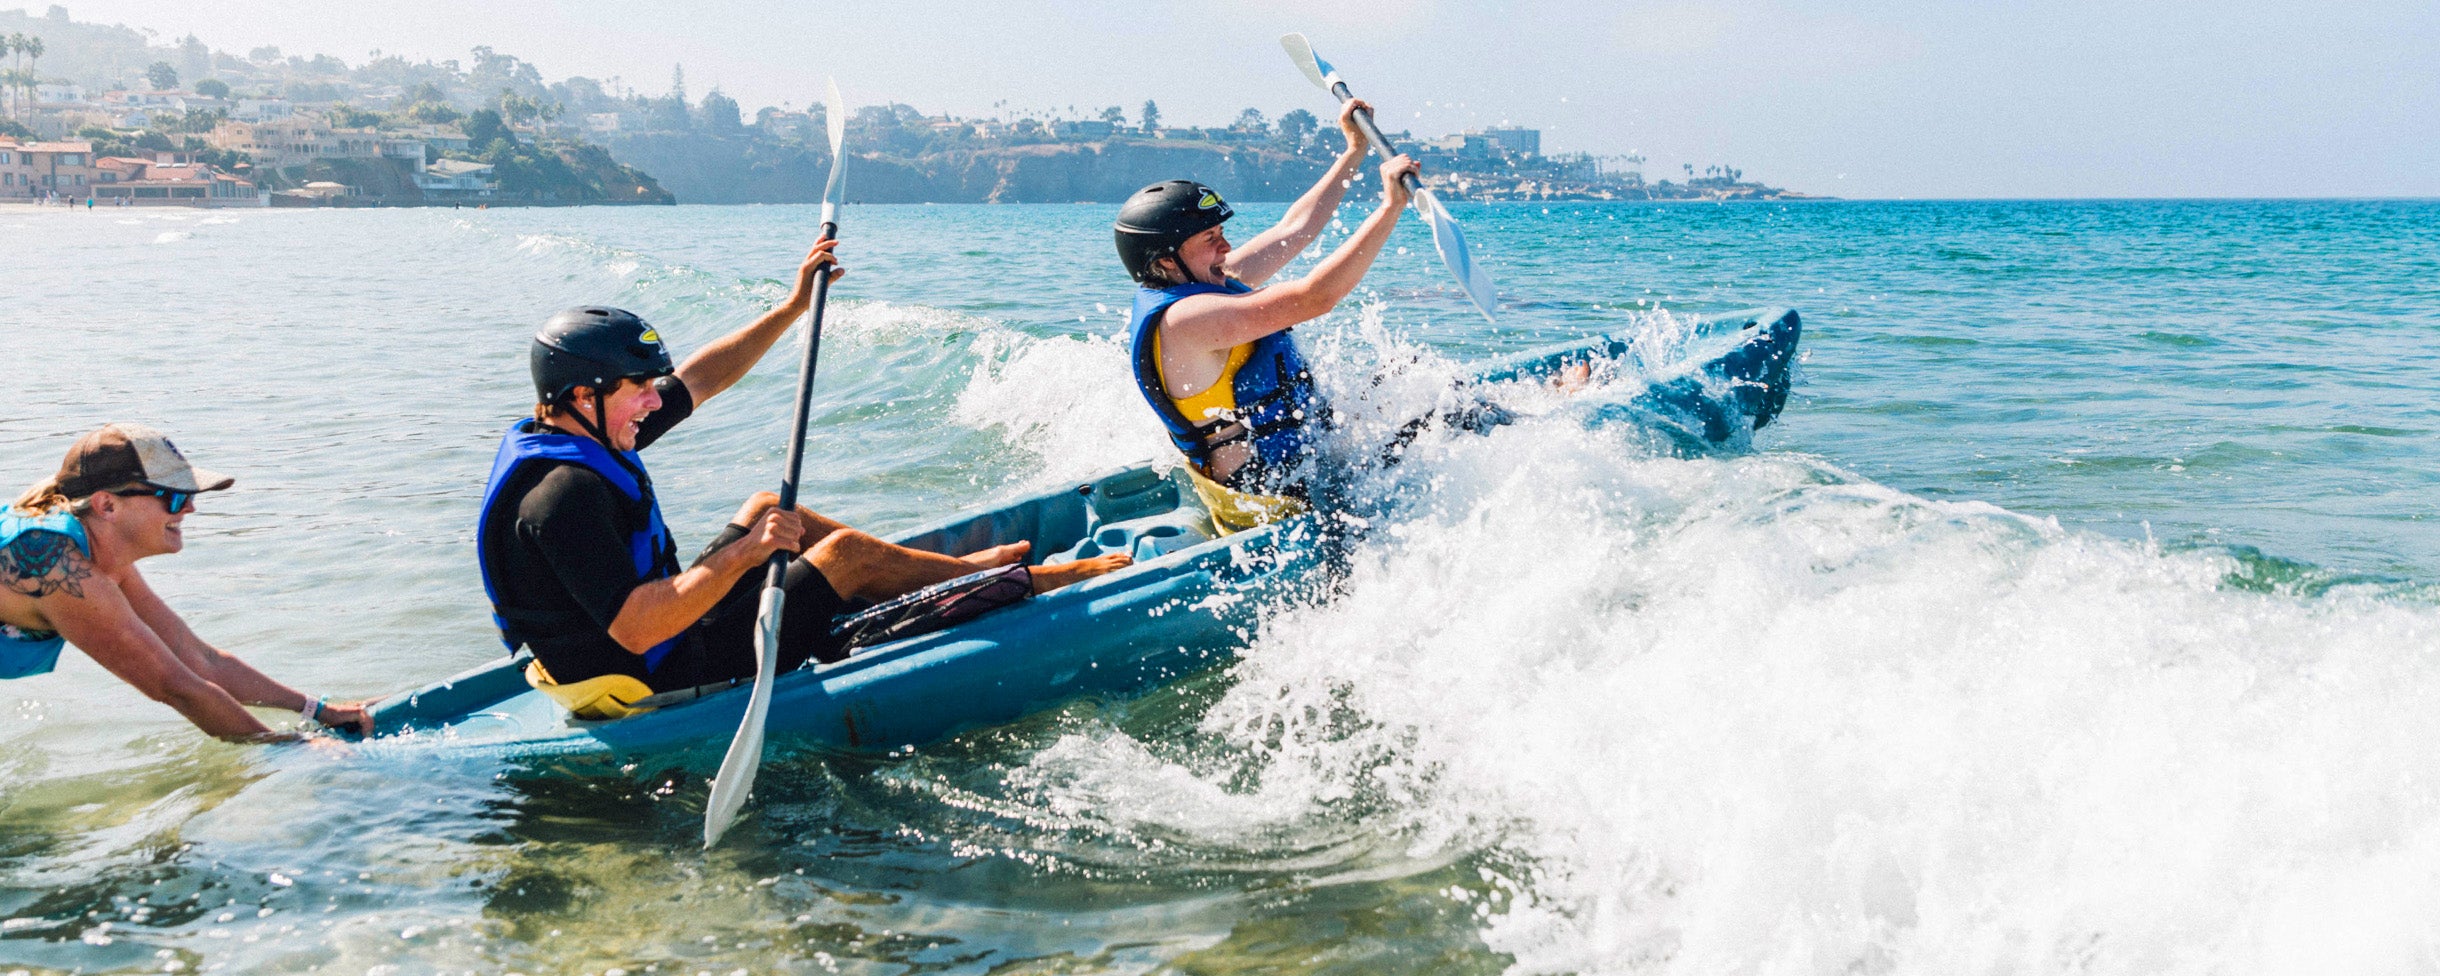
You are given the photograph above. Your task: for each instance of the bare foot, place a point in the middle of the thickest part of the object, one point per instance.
(1048, 578)
(1007, 555)
(1573, 378)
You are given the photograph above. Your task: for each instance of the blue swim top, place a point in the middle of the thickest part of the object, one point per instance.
(25, 653)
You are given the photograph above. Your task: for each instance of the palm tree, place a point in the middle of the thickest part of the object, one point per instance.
(9, 47)
(32, 46)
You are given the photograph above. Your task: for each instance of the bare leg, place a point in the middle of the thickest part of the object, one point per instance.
(862, 567)
(997, 556)
(1048, 578)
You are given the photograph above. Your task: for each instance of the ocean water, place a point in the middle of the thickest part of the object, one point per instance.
(2081, 614)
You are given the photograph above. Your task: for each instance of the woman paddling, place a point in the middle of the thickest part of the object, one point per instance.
(68, 553)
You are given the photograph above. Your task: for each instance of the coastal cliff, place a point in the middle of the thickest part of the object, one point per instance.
(712, 170)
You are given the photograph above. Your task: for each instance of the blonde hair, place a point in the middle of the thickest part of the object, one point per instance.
(44, 498)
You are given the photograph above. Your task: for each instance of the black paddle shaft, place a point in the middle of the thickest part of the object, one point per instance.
(1364, 118)
(778, 572)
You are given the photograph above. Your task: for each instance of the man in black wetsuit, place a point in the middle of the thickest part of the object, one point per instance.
(579, 565)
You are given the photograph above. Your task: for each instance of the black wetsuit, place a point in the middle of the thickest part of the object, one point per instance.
(564, 553)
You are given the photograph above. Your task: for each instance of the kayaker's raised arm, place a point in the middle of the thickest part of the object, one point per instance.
(1212, 356)
(1272, 249)
(720, 364)
(1211, 322)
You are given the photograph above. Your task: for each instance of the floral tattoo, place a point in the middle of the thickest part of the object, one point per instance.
(39, 564)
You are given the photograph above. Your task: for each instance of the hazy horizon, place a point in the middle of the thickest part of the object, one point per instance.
(1916, 101)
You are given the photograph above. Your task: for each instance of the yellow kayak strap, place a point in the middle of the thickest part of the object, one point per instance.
(1237, 511)
(593, 699)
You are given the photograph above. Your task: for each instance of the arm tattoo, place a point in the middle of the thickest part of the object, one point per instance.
(39, 564)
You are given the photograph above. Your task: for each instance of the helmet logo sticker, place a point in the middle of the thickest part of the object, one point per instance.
(652, 336)
(1210, 201)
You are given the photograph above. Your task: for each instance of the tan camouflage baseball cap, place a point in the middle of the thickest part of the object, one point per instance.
(121, 453)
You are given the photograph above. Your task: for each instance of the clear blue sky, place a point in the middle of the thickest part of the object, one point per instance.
(1898, 99)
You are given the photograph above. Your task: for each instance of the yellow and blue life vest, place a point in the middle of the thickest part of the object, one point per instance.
(26, 653)
(1270, 389)
(648, 542)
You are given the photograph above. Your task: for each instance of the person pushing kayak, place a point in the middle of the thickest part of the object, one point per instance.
(1213, 355)
(68, 553)
(579, 565)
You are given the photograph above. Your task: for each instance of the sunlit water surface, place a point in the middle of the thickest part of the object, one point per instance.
(2081, 615)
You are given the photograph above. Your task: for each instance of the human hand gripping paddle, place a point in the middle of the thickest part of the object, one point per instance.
(1446, 236)
(737, 769)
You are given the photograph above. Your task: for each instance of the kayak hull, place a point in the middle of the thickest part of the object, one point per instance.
(1188, 601)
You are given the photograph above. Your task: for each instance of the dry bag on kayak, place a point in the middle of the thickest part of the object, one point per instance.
(936, 607)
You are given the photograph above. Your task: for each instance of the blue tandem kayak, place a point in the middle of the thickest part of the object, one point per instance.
(1179, 609)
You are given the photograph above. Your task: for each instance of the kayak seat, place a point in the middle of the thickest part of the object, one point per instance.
(1145, 539)
(593, 699)
(1131, 495)
(1236, 511)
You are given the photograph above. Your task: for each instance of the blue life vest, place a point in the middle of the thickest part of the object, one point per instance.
(26, 653)
(1274, 389)
(648, 545)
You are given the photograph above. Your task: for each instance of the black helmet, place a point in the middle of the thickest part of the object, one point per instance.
(1162, 216)
(593, 346)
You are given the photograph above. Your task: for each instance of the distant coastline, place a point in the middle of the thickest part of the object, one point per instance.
(293, 130)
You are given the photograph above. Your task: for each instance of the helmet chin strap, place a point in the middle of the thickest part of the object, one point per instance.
(601, 413)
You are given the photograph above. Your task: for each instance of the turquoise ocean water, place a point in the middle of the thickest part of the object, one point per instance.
(2082, 613)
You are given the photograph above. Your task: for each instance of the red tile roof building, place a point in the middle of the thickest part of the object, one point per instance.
(36, 170)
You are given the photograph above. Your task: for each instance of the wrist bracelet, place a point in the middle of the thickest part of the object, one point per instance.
(313, 708)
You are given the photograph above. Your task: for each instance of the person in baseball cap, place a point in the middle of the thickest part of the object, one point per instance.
(68, 554)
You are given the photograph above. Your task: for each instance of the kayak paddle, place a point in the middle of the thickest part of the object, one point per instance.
(737, 769)
(1446, 236)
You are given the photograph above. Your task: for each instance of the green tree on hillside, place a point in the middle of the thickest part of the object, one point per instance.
(493, 70)
(212, 88)
(433, 113)
(1151, 117)
(194, 59)
(198, 120)
(668, 114)
(1114, 115)
(484, 129)
(1296, 126)
(347, 116)
(720, 115)
(162, 76)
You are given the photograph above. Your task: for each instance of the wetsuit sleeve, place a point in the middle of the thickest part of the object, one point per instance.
(571, 519)
(677, 403)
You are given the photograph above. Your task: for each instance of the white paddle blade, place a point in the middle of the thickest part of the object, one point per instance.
(1451, 242)
(836, 192)
(744, 759)
(1316, 70)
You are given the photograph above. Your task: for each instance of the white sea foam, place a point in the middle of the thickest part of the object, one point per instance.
(1755, 714)
(173, 236)
(1065, 400)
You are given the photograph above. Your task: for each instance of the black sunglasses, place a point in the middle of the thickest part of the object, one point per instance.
(178, 501)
